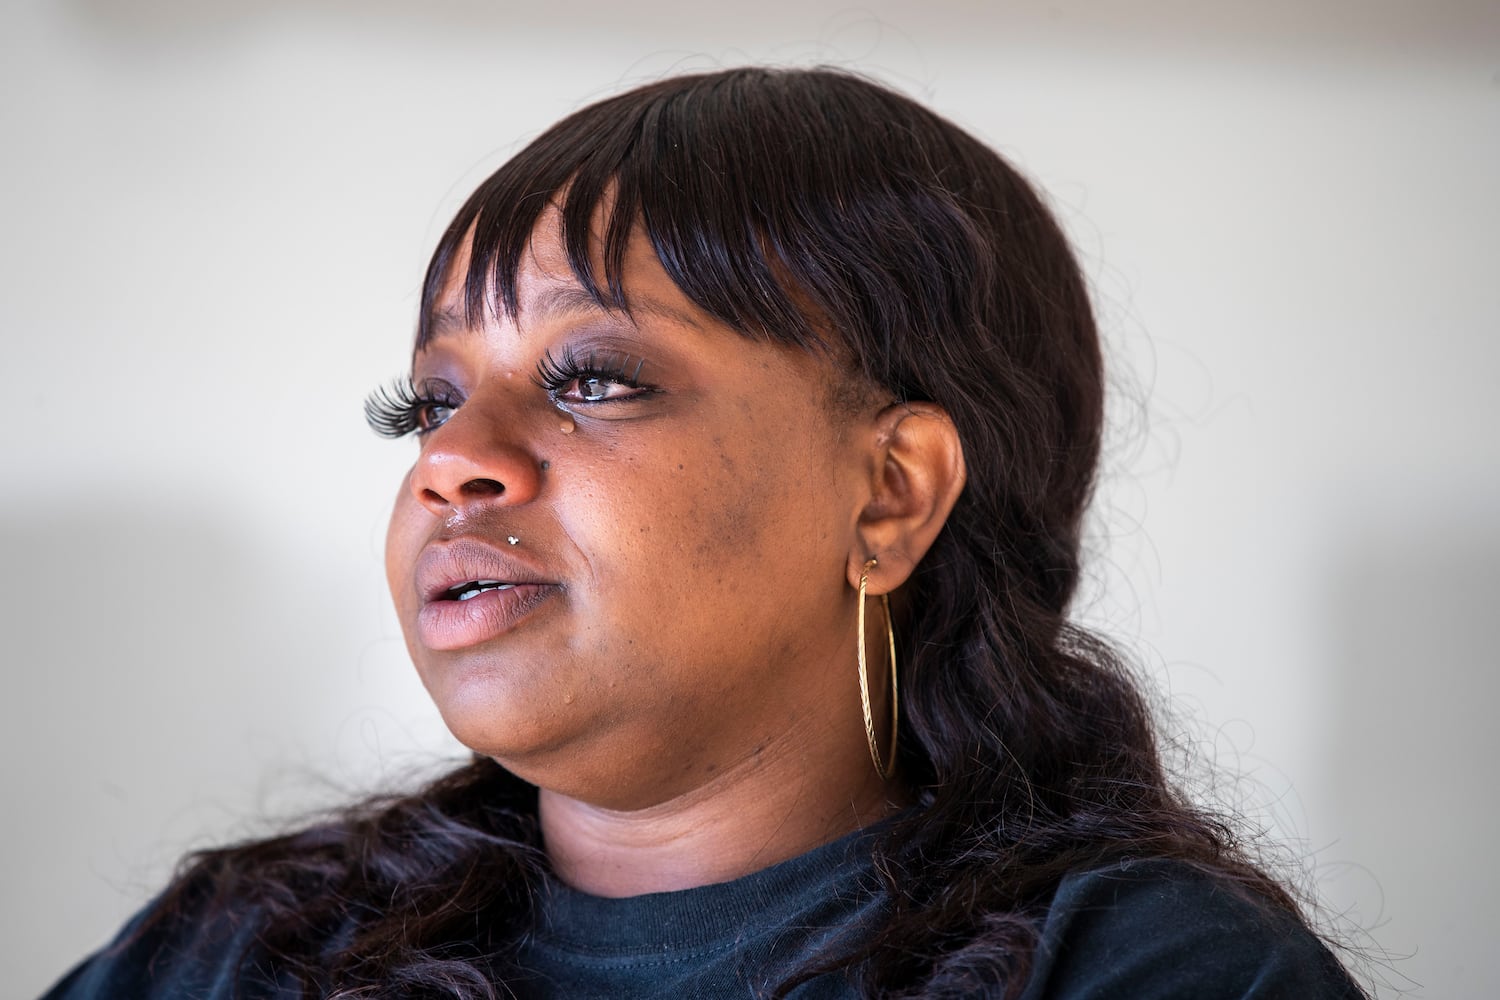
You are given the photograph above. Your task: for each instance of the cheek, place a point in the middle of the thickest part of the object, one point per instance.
(403, 541)
(664, 529)
(729, 500)
(719, 513)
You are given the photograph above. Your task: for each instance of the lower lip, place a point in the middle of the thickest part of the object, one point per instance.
(456, 624)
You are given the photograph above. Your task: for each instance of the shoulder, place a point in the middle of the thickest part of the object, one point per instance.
(195, 950)
(1156, 930)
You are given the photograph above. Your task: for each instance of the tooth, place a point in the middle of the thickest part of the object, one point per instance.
(476, 587)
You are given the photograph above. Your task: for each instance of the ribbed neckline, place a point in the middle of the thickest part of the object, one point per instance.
(706, 915)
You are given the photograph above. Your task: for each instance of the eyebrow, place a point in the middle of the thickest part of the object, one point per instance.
(562, 299)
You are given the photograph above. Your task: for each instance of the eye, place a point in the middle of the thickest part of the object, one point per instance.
(432, 414)
(594, 388)
(404, 407)
(594, 377)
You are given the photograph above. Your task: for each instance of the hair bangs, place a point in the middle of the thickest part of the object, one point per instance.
(696, 165)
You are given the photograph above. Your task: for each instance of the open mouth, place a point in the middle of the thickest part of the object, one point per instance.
(473, 588)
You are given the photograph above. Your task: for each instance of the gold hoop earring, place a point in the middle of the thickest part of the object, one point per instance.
(889, 767)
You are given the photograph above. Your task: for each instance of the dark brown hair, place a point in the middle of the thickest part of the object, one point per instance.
(790, 204)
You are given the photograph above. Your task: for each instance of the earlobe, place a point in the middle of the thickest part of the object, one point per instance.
(917, 474)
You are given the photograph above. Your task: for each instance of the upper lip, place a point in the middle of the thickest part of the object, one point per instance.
(448, 564)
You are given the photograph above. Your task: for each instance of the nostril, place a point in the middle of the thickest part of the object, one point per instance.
(483, 488)
(477, 489)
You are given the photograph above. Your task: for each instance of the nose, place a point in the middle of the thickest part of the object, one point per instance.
(471, 461)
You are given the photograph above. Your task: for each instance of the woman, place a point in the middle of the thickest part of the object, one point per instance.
(757, 413)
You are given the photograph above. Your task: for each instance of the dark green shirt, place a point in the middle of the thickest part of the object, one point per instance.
(1143, 931)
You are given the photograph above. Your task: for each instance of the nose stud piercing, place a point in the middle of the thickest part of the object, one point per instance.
(512, 539)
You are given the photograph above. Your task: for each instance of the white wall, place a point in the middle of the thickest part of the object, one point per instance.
(215, 219)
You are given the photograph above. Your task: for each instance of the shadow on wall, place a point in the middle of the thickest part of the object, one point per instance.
(144, 612)
(150, 701)
(197, 17)
(1412, 747)
(1340, 25)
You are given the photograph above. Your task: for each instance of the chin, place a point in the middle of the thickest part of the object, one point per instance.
(585, 760)
(489, 715)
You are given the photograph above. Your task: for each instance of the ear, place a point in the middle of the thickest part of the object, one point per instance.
(917, 473)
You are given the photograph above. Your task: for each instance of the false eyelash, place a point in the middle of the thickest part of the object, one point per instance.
(395, 410)
(555, 373)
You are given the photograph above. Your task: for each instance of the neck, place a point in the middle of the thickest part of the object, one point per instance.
(771, 807)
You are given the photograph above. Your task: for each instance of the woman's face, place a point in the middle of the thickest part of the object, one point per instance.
(619, 560)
